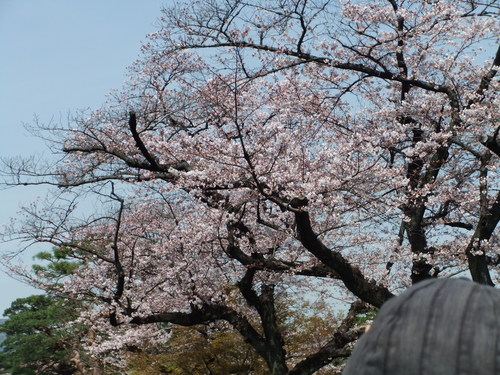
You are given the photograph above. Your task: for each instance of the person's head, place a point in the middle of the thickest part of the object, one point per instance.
(445, 327)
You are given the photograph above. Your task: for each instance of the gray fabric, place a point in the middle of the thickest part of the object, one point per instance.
(437, 327)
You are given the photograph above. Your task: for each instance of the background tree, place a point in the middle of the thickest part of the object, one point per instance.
(219, 349)
(42, 336)
(38, 339)
(342, 147)
(199, 350)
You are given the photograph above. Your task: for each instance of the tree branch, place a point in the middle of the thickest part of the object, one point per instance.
(351, 276)
(207, 314)
(132, 122)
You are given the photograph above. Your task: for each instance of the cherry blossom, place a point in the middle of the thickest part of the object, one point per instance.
(259, 148)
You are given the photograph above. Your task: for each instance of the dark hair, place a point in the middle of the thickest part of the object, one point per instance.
(445, 327)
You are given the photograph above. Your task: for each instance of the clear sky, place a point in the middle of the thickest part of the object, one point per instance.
(58, 56)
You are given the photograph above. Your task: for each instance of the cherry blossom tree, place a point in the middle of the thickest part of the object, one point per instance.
(315, 146)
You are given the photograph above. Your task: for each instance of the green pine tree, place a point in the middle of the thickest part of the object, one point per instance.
(39, 336)
(39, 340)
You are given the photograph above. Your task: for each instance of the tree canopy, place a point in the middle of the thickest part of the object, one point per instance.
(348, 148)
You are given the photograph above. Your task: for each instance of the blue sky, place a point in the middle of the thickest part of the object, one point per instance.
(59, 56)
